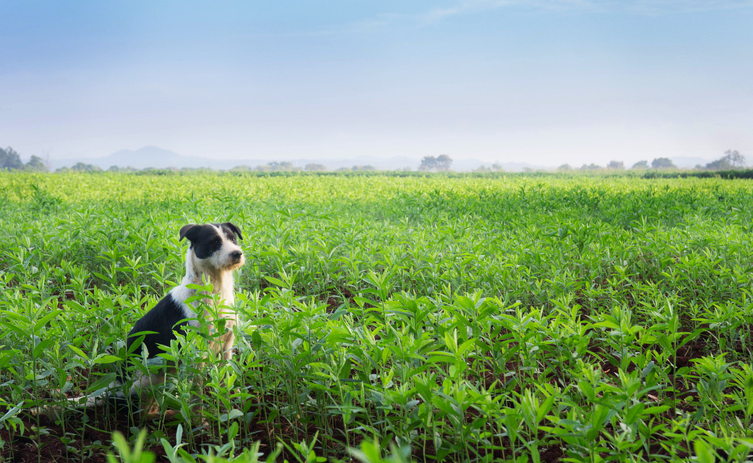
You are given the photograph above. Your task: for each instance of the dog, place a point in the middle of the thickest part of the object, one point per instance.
(212, 256)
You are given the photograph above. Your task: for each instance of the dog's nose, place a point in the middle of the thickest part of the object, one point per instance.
(236, 255)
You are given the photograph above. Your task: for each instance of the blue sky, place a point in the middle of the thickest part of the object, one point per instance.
(543, 81)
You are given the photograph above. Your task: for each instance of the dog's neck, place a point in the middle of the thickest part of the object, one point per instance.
(222, 281)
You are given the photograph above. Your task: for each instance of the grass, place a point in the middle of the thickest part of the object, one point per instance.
(432, 318)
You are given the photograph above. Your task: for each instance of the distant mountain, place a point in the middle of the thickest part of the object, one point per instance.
(160, 158)
(148, 156)
(152, 156)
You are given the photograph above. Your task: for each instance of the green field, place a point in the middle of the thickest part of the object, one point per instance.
(433, 318)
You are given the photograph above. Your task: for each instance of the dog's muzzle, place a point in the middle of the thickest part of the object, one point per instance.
(236, 256)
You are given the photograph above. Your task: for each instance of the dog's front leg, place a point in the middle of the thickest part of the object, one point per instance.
(227, 344)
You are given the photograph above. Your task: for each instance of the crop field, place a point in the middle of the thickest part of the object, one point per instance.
(387, 318)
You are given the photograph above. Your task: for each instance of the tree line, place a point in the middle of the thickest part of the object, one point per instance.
(441, 163)
(10, 160)
(286, 166)
(731, 160)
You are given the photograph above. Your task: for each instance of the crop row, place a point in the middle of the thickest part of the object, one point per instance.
(465, 319)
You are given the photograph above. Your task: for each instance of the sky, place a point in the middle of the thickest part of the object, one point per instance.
(545, 82)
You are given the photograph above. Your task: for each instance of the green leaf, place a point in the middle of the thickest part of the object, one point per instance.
(103, 382)
(43, 321)
(234, 413)
(276, 281)
(78, 352)
(39, 348)
(104, 359)
(704, 453)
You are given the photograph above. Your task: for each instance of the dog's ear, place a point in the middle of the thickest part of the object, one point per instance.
(234, 229)
(188, 231)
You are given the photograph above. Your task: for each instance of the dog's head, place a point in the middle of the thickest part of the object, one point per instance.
(215, 245)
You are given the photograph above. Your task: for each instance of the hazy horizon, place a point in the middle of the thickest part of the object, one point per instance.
(156, 157)
(543, 82)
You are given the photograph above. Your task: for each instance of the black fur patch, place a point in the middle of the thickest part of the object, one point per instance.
(205, 239)
(231, 231)
(163, 318)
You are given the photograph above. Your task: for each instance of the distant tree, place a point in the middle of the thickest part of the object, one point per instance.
(736, 159)
(241, 168)
(663, 163)
(362, 168)
(497, 167)
(36, 164)
(640, 165)
(315, 168)
(719, 164)
(591, 166)
(126, 169)
(428, 163)
(440, 163)
(280, 165)
(444, 162)
(482, 169)
(83, 167)
(731, 160)
(564, 168)
(10, 160)
(275, 166)
(615, 165)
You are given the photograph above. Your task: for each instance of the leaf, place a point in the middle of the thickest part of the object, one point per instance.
(234, 413)
(276, 281)
(345, 370)
(103, 382)
(256, 340)
(12, 412)
(656, 410)
(43, 321)
(78, 352)
(41, 347)
(704, 453)
(105, 359)
(466, 345)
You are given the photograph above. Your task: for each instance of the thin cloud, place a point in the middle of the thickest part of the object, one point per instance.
(634, 6)
(437, 15)
(470, 6)
(673, 6)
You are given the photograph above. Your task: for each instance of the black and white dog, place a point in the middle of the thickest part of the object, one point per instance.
(212, 256)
